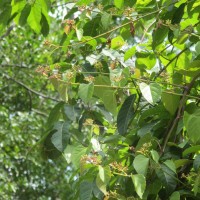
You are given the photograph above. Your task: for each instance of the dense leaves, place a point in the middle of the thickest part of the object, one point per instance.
(126, 122)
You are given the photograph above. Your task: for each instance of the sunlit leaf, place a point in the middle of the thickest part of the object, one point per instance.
(35, 17)
(151, 92)
(117, 43)
(139, 183)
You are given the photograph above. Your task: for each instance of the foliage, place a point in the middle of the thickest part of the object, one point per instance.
(128, 76)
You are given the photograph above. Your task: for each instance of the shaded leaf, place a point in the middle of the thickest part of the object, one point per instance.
(175, 196)
(86, 188)
(125, 114)
(192, 125)
(167, 177)
(60, 138)
(55, 114)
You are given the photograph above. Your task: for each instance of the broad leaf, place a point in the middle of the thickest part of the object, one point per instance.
(192, 149)
(196, 163)
(141, 164)
(167, 177)
(106, 20)
(78, 151)
(101, 185)
(85, 91)
(61, 137)
(105, 173)
(79, 33)
(129, 53)
(55, 114)
(175, 196)
(171, 102)
(139, 182)
(106, 94)
(192, 125)
(86, 188)
(119, 3)
(151, 92)
(117, 43)
(125, 114)
(34, 17)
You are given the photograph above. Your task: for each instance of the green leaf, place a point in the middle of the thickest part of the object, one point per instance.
(61, 137)
(145, 60)
(86, 188)
(78, 151)
(181, 162)
(171, 102)
(44, 25)
(106, 94)
(192, 149)
(84, 2)
(24, 14)
(159, 35)
(85, 91)
(139, 182)
(191, 69)
(171, 165)
(155, 155)
(72, 112)
(17, 6)
(117, 42)
(119, 3)
(167, 177)
(197, 184)
(142, 2)
(129, 53)
(55, 114)
(125, 114)
(175, 196)
(106, 19)
(196, 163)
(141, 164)
(101, 185)
(192, 125)
(152, 92)
(5, 14)
(110, 102)
(105, 174)
(34, 17)
(79, 33)
(178, 14)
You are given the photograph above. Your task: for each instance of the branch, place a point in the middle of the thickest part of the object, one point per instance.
(180, 110)
(7, 32)
(13, 65)
(30, 90)
(174, 58)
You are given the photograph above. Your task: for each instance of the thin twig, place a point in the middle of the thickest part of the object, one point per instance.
(174, 58)
(29, 89)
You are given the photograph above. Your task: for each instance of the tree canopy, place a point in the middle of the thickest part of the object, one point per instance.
(100, 99)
